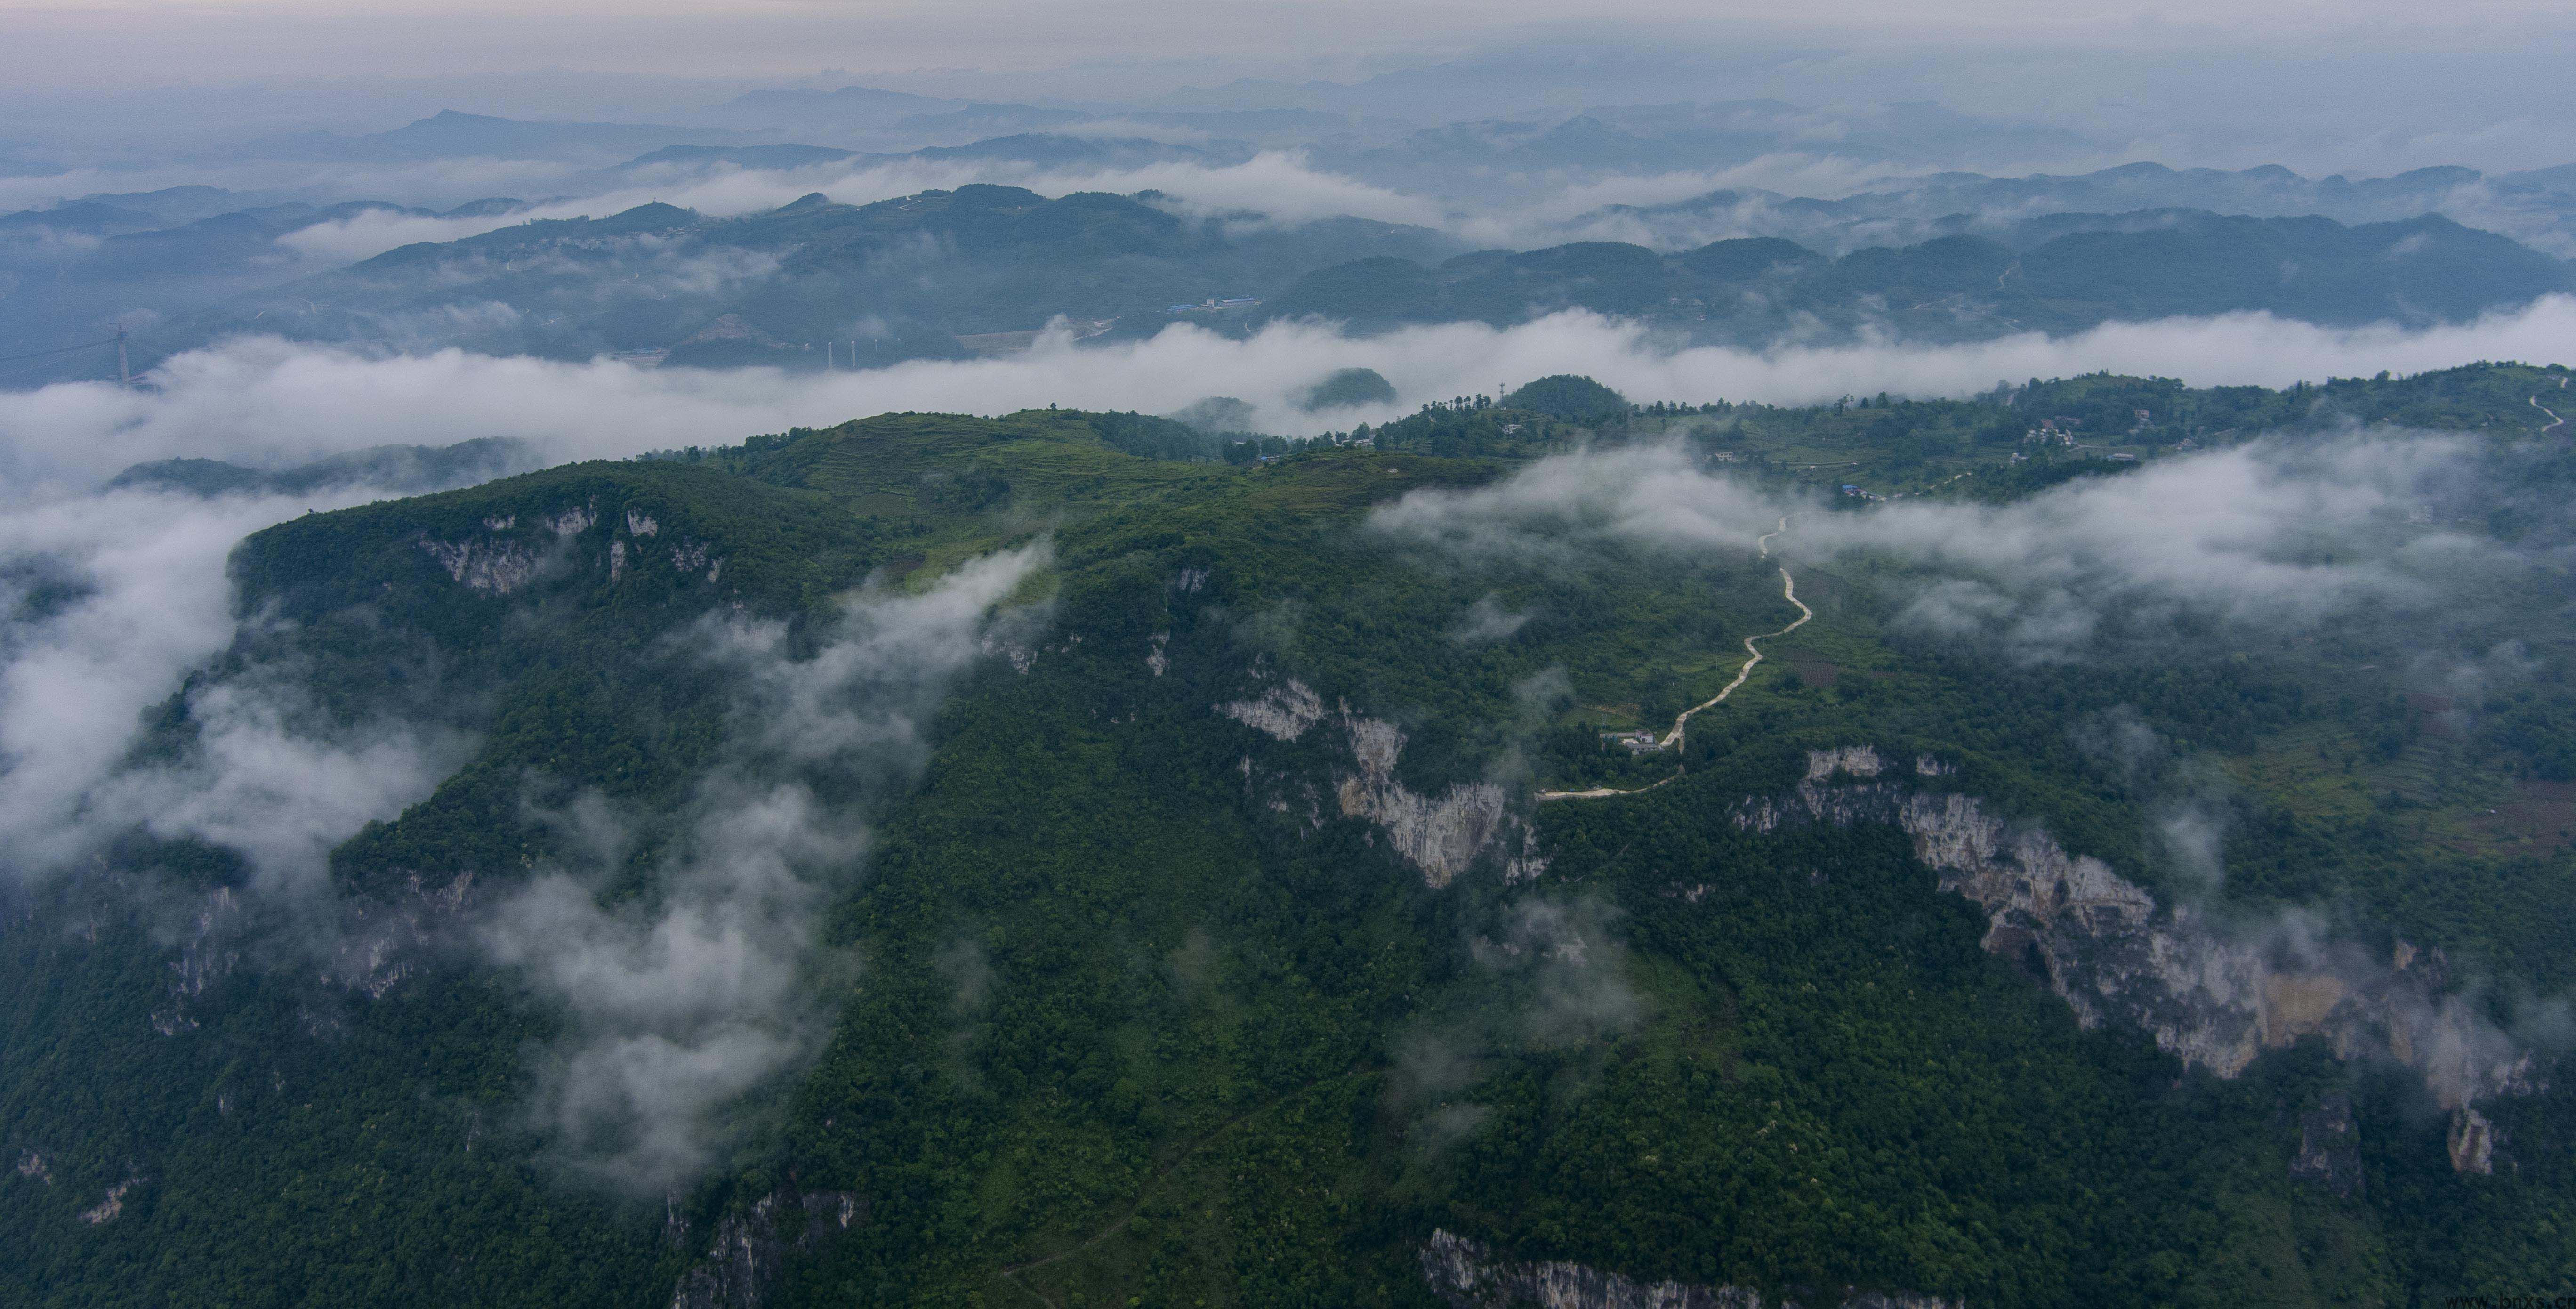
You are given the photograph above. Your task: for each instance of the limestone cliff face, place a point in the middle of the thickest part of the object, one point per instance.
(381, 942)
(2215, 998)
(1283, 712)
(1440, 835)
(1466, 1275)
(742, 1267)
(2329, 1147)
(2472, 1142)
(503, 557)
(206, 955)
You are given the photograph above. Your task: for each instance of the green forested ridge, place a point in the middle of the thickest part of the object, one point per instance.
(942, 266)
(1123, 1031)
(2063, 273)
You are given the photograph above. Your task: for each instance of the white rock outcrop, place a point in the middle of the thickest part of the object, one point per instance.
(110, 1207)
(1467, 1275)
(493, 565)
(1441, 835)
(1284, 712)
(207, 955)
(744, 1265)
(2213, 997)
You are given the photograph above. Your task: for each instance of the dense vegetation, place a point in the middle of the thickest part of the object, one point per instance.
(2062, 273)
(954, 274)
(1126, 1031)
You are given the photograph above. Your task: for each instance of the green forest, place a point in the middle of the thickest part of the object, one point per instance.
(1125, 999)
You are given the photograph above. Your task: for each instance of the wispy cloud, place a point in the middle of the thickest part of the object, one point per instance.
(265, 401)
(676, 1008)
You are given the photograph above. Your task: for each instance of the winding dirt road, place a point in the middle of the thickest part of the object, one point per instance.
(1753, 656)
(2555, 422)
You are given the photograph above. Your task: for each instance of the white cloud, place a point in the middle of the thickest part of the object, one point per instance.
(264, 402)
(142, 599)
(678, 1009)
(2276, 534)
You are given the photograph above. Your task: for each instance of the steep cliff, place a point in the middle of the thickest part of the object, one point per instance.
(1441, 835)
(2214, 993)
(743, 1266)
(1467, 1275)
(503, 557)
(379, 942)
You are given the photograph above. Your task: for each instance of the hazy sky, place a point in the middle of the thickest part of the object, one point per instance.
(2361, 86)
(77, 42)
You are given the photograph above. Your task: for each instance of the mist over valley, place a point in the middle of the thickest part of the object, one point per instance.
(1278, 656)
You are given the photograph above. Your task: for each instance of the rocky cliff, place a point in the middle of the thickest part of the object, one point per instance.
(1441, 835)
(2215, 994)
(744, 1264)
(1467, 1275)
(505, 557)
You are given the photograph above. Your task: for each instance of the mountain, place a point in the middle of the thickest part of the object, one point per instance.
(910, 278)
(82, 218)
(739, 156)
(934, 859)
(2538, 208)
(1655, 138)
(183, 204)
(892, 280)
(402, 468)
(450, 134)
(849, 108)
(2060, 273)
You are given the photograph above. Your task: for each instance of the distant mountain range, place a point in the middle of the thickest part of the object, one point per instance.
(449, 134)
(2537, 207)
(1945, 255)
(893, 280)
(2062, 273)
(949, 273)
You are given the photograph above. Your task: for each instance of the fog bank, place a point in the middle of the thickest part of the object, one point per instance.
(265, 402)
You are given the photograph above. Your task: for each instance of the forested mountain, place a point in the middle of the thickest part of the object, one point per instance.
(2060, 273)
(450, 134)
(948, 274)
(948, 860)
(1470, 157)
(68, 272)
(893, 280)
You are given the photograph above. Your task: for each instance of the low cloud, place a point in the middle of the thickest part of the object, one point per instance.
(1570, 962)
(1486, 621)
(110, 601)
(2274, 535)
(262, 401)
(372, 232)
(677, 1007)
(1280, 186)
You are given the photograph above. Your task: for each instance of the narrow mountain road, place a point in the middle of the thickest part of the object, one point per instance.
(1753, 656)
(2555, 422)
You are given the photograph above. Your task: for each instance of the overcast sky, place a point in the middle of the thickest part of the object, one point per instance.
(2348, 85)
(94, 42)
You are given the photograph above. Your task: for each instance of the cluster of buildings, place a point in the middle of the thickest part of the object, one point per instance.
(2059, 430)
